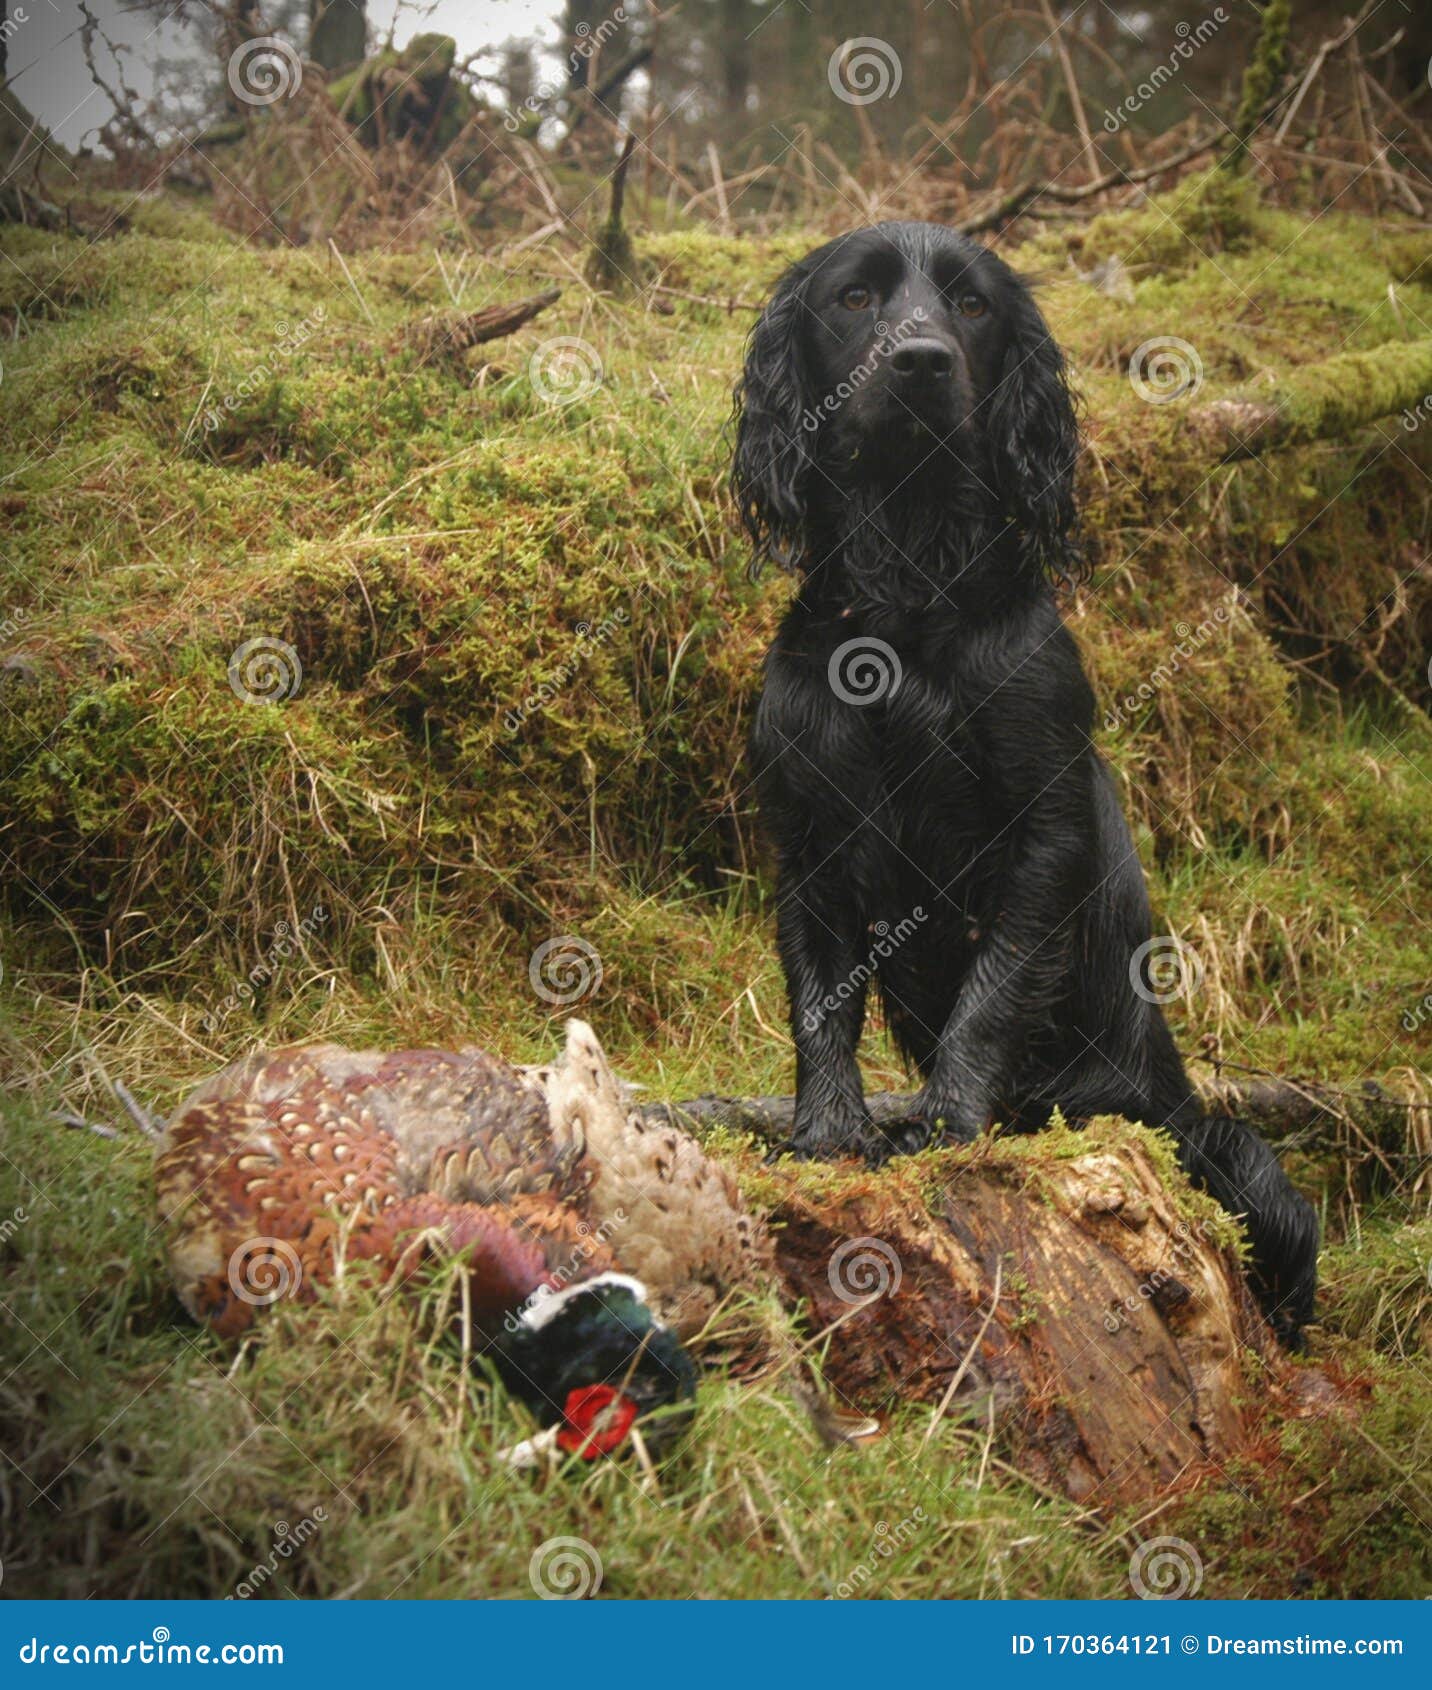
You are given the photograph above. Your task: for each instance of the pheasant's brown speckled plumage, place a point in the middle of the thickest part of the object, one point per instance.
(683, 1227)
(290, 1159)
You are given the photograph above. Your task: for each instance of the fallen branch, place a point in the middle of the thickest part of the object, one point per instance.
(1020, 198)
(1322, 401)
(447, 337)
(1283, 1110)
(726, 305)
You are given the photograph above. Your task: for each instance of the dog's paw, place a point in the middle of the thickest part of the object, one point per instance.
(828, 1142)
(905, 1136)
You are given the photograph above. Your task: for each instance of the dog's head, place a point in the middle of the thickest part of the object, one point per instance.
(905, 357)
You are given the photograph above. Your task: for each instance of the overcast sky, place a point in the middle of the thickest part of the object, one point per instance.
(47, 67)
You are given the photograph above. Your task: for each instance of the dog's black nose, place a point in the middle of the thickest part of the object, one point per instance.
(923, 358)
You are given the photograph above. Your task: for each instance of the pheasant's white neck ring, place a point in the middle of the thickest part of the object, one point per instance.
(547, 1305)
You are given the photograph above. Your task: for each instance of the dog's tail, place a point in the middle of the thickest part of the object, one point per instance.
(1226, 1158)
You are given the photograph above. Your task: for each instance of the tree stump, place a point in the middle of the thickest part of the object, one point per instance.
(1080, 1298)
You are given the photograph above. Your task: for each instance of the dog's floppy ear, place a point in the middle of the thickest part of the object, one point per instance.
(1034, 441)
(775, 432)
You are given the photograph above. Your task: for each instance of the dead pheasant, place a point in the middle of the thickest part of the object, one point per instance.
(544, 1181)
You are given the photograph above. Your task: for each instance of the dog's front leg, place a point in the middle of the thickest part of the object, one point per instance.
(1020, 975)
(826, 977)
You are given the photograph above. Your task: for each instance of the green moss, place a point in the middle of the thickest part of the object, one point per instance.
(1261, 77)
(406, 90)
(529, 647)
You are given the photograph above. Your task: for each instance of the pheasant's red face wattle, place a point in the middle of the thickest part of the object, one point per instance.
(596, 1419)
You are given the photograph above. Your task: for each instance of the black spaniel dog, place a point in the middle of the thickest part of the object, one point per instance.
(943, 825)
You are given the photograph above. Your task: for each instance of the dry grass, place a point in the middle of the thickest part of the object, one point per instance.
(426, 540)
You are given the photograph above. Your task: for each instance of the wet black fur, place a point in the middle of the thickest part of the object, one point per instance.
(927, 502)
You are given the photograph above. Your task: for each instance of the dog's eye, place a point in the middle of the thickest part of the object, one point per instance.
(971, 305)
(854, 298)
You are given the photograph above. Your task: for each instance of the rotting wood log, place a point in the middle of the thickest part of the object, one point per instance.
(1065, 1296)
(1077, 1307)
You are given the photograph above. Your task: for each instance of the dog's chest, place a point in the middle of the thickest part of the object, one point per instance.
(929, 764)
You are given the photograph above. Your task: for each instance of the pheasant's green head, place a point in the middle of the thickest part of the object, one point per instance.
(593, 1361)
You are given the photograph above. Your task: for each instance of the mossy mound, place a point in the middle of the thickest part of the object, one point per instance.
(332, 682)
(525, 634)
